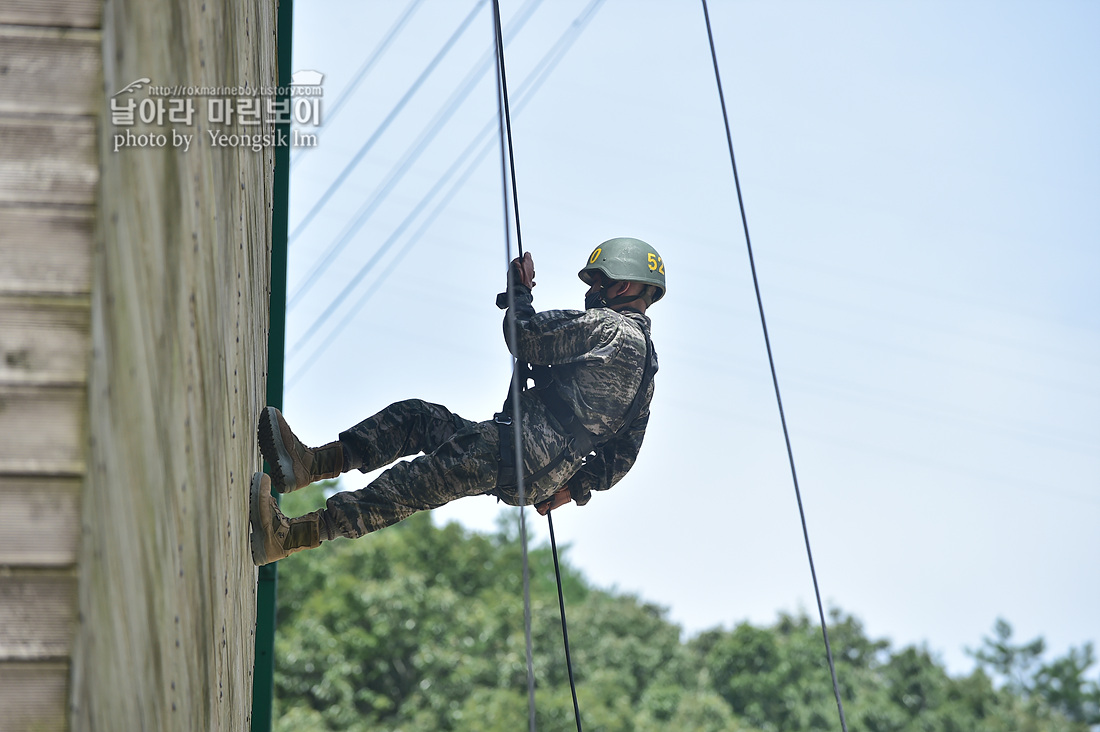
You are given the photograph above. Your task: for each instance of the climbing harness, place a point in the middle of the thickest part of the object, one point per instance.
(582, 441)
(775, 379)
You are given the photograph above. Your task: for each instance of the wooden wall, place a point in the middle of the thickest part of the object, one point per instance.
(48, 183)
(133, 328)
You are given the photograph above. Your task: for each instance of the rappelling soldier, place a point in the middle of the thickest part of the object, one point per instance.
(583, 422)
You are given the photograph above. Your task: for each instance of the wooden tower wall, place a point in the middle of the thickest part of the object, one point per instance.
(133, 331)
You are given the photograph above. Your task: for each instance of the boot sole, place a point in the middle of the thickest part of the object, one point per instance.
(255, 538)
(274, 452)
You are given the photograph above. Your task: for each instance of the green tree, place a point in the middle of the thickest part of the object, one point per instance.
(420, 628)
(1058, 690)
(1012, 663)
(1062, 685)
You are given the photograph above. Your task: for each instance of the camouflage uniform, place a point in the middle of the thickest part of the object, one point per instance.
(598, 357)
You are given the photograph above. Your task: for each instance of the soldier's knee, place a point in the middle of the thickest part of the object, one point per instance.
(430, 411)
(416, 410)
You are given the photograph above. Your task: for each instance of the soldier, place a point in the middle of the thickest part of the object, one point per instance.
(583, 423)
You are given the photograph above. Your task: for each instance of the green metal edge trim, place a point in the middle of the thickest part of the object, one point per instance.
(263, 677)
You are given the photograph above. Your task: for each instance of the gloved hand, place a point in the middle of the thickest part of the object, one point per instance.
(557, 500)
(523, 274)
(524, 268)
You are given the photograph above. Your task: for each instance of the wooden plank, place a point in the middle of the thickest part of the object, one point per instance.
(39, 521)
(43, 430)
(34, 697)
(56, 13)
(50, 71)
(44, 340)
(37, 614)
(46, 250)
(48, 160)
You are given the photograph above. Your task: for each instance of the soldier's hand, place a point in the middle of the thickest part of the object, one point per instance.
(557, 500)
(525, 269)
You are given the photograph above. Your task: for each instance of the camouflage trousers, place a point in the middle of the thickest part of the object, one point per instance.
(461, 458)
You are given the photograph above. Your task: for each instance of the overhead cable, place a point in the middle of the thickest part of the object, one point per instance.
(347, 92)
(398, 171)
(335, 185)
(482, 140)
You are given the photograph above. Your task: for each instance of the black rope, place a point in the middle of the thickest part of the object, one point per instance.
(771, 363)
(564, 627)
(506, 131)
(502, 80)
(504, 117)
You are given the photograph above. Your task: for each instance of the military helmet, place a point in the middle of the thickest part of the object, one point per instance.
(627, 260)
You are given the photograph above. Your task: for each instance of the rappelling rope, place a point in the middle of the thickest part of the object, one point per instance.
(771, 363)
(505, 119)
(506, 124)
(564, 628)
(504, 116)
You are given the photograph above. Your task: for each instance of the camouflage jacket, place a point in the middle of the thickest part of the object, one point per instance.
(597, 359)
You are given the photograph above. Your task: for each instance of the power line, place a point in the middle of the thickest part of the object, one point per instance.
(397, 172)
(771, 364)
(385, 123)
(524, 94)
(379, 50)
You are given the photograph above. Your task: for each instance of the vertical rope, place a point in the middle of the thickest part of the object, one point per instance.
(502, 83)
(504, 118)
(564, 627)
(775, 380)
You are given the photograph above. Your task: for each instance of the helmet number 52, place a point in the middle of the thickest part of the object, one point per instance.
(655, 263)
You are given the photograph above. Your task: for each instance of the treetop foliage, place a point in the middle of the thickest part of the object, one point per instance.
(420, 628)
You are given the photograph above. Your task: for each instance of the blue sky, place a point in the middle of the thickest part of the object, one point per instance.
(921, 183)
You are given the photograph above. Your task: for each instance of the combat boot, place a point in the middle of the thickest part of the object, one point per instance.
(275, 536)
(292, 464)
